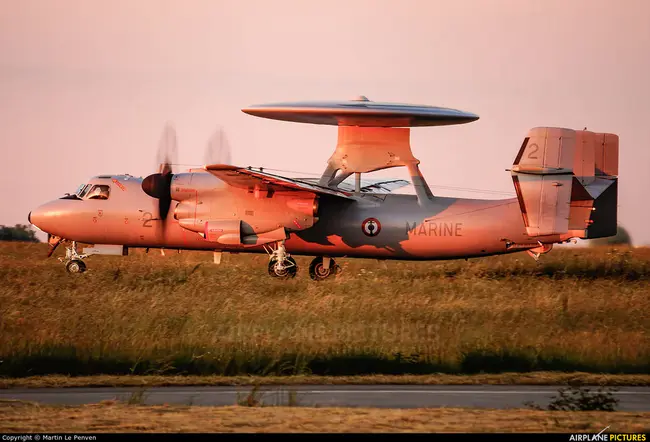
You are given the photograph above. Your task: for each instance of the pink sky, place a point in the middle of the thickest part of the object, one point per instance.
(86, 87)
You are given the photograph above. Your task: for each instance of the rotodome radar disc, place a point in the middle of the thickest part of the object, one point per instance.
(361, 112)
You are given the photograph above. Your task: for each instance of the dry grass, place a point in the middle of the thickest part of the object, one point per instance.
(577, 310)
(532, 378)
(116, 417)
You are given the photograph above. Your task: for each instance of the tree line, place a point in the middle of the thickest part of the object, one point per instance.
(19, 232)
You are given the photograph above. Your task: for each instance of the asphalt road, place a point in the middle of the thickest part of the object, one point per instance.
(383, 396)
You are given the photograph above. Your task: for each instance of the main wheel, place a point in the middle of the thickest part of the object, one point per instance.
(289, 271)
(318, 272)
(75, 266)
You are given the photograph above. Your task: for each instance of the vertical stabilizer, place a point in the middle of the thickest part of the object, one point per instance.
(567, 182)
(542, 174)
(584, 161)
(546, 150)
(603, 220)
(606, 155)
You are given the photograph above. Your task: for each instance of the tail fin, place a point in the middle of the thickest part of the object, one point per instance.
(566, 182)
(542, 174)
(594, 200)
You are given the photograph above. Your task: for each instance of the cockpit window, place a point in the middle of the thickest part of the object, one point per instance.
(99, 191)
(83, 190)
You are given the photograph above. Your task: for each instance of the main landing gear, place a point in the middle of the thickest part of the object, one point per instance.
(73, 261)
(283, 266)
(322, 268)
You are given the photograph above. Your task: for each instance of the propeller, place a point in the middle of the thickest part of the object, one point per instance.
(218, 149)
(158, 185)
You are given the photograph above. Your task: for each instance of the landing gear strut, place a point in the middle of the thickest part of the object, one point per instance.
(322, 268)
(281, 265)
(73, 261)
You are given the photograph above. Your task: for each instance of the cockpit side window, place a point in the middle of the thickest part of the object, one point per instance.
(99, 191)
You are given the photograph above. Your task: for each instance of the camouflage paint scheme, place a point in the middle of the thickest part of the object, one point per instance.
(566, 183)
(449, 228)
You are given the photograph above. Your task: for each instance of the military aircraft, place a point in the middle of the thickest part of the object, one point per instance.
(565, 182)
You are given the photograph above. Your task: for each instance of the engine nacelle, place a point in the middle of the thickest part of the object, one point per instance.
(306, 206)
(227, 232)
(187, 186)
(233, 215)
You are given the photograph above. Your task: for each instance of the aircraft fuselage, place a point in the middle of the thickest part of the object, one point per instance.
(384, 226)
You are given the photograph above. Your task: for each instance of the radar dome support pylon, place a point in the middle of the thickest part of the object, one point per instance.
(363, 149)
(371, 136)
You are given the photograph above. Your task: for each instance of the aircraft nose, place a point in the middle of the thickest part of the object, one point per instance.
(36, 217)
(44, 217)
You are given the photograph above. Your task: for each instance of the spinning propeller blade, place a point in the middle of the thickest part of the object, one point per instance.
(158, 185)
(218, 149)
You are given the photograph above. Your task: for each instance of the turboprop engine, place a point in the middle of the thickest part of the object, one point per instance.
(238, 216)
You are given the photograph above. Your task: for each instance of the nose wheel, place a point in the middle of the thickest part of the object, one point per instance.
(75, 266)
(322, 268)
(73, 260)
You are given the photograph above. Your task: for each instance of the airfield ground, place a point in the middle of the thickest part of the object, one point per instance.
(532, 378)
(577, 310)
(18, 417)
(578, 317)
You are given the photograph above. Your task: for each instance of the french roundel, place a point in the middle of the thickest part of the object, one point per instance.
(371, 227)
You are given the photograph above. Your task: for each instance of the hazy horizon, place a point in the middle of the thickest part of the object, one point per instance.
(87, 87)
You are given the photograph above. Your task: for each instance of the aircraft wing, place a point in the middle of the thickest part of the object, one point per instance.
(367, 186)
(247, 179)
(383, 186)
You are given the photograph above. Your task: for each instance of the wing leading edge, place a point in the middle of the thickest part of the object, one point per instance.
(367, 186)
(245, 178)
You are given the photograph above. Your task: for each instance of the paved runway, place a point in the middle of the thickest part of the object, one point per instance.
(384, 396)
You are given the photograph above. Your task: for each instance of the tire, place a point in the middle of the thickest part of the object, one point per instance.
(318, 273)
(286, 273)
(75, 266)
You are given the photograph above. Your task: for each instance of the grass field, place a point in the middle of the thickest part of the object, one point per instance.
(575, 379)
(578, 309)
(117, 417)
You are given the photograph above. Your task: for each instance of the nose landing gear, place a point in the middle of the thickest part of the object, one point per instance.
(75, 266)
(73, 261)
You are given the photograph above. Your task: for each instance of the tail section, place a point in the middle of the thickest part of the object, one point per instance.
(542, 175)
(597, 190)
(566, 182)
